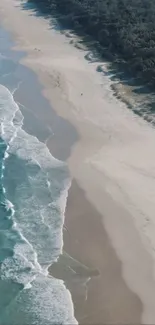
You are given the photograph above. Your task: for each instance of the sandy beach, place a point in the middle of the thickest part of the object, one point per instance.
(109, 219)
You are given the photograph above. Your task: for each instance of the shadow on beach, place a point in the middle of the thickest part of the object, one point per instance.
(133, 92)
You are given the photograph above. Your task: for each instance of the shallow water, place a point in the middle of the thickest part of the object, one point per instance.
(33, 192)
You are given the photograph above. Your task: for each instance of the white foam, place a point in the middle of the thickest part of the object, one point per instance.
(28, 286)
(17, 269)
(39, 215)
(42, 304)
(4, 190)
(6, 155)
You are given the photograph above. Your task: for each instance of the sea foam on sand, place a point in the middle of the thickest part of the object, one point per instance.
(114, 161)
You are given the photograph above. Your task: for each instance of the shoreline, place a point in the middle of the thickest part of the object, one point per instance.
(100, 294)
(104, 195)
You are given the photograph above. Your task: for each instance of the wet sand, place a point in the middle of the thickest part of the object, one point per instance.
(99, 292)
(102, 226)
(105, 298)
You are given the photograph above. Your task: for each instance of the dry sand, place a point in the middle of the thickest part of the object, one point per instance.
(114, 164)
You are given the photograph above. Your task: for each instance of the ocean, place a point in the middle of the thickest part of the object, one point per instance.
(33, 193)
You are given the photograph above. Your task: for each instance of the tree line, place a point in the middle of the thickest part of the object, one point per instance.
(122, 29)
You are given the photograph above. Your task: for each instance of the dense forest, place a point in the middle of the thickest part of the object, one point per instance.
(121, 29)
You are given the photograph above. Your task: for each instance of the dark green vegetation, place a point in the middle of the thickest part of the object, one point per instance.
(122, 29)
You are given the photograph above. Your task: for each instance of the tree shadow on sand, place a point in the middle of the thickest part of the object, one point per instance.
(109, 65)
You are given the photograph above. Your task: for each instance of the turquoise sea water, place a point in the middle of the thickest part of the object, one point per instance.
(33, 191)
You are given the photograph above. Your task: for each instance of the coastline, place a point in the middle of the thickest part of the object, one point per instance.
(98, 298)
(61, 94)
